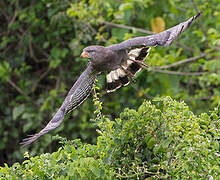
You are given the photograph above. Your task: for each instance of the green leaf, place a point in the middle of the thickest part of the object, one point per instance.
(151, 143)
(46, 44)
(147, 138)
(27, 115)
(27, 125)
(54, 63)
(17, 111)
(5, 70)
(96, 171)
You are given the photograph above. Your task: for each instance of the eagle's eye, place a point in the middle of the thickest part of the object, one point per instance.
(90, 51)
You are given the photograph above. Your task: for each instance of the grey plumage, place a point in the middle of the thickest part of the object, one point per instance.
(109, 58)
(164, 38)
(77, 94)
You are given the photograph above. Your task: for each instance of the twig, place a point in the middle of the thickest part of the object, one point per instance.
(95, 32)
(13, 19)
(39, 79)
(195, 6)
(21, 37)
(127, 27)
(191, 59)
(15, 86)
(200, 20)
(31, 49)
(144, 94)
(137, 174)
(217, 48)
(90, 28)
(198, 99)
(180, 45)
(42, 51)
(179, 73)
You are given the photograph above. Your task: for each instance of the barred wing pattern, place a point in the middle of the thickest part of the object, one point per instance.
(77, 94)
(117, 78)
(164, 38)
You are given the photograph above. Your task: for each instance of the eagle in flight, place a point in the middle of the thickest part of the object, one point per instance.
(122, 60)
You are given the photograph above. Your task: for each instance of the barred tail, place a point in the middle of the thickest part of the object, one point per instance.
(117, 78)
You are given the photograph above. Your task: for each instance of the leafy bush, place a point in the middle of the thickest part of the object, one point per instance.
(161, 139)
(40, 45)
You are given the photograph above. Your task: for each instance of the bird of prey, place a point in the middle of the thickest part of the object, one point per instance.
(122, 61)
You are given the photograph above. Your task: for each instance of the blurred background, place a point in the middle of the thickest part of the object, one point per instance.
(40, 46)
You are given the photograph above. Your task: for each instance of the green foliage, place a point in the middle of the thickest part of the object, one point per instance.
(162, 139)
(69, 162)
(167, 140)
(40, 45)
(37, 68)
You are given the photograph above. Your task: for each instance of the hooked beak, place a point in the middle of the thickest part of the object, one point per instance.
(84, 55)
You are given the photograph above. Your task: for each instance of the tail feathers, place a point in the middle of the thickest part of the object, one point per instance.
(124, 80)
(137, 54)
(134, 68)
(118, 78)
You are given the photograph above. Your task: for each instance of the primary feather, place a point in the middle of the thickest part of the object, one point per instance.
(77, 94)
(164, 38)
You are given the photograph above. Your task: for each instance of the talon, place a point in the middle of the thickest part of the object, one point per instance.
(130, 75)
(141, 63)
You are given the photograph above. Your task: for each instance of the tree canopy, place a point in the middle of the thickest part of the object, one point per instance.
(161, 139)
(40, 47)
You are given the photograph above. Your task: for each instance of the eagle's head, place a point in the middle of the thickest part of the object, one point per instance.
(98, 55)
(93, 53)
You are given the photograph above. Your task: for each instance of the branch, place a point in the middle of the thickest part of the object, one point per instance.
(31, 49)
(41, 50)
(180, 45)
(199, 98)
(39, 79)
(15, 86)
(13, 19)
(200, 20)
(127, 27)
(179, 73)
(138, 90)
(217, 48)
(191, 59)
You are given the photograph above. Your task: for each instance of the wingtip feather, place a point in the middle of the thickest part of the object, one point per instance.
(27, 141)
(199, 14)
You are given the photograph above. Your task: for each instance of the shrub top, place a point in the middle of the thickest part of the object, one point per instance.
(162, 139)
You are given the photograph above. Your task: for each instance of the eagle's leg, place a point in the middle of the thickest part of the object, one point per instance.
(130, 75)
(141, 63)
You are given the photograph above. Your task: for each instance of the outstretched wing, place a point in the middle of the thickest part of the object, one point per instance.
(164, 38)
(77, 94)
